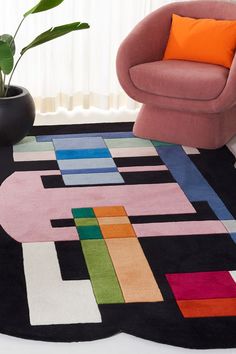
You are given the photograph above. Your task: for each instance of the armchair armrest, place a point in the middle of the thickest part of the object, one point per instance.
(227, 98)
(146, 43)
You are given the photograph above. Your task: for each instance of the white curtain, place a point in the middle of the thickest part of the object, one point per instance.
(78, 69)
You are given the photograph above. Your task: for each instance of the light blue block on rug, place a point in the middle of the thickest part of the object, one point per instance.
(77, 164)
(79, 143)
(93, 179)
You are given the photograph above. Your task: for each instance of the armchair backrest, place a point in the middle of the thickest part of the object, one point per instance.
(217, 9)
(148, 40)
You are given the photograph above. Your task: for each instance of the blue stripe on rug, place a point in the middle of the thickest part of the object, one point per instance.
(233, 235)
(89, 170)
(48, 138)
(82, 154)
(191, 180)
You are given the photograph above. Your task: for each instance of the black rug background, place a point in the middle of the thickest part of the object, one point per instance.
(160, 322)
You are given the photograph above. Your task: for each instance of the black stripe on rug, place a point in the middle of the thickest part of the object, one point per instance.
(130, 178)
(81, 128)
(36, 165)
(71, 260)
(203, 212)
(138, 161)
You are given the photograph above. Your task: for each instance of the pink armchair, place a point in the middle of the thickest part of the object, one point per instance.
(184, 102)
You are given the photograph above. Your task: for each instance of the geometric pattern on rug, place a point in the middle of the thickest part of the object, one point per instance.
(56, 204)
(204, 294)
(85, 161)
(179, 164)
(111, 247)
(70, 274)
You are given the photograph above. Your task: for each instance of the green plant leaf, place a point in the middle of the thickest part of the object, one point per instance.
(7, 38)
(43, 5)
(6, 58)
(54, 33)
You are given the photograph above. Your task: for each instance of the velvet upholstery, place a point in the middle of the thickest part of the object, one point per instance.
(208, 101)
(180, 79)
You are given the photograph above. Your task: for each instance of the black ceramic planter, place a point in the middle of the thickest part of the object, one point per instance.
(17, 114)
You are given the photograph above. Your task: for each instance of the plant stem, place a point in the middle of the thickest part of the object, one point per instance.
(4, 79)
(17, 30)
(1, 85)
(9, 82)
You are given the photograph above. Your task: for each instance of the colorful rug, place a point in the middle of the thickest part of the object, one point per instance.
(102, 233)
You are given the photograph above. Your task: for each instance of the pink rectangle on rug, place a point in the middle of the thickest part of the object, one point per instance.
(180, 228)
(41, 205)
(142, 168)
(133, 152)
(34, 156)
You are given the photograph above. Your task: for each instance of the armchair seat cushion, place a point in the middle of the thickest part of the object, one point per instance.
(180, 79)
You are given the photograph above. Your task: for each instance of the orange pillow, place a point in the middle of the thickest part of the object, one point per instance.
(203, 40)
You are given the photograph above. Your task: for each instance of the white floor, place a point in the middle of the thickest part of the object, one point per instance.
(119, 344)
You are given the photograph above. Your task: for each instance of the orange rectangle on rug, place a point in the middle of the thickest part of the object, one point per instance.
(133, 271)
(208, 307)
(119, 220)
(117, 231)
(109, 211)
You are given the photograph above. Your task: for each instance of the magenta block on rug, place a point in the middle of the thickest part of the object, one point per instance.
(202, 285)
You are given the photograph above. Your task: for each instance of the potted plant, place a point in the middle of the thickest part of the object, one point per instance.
(17, 109)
